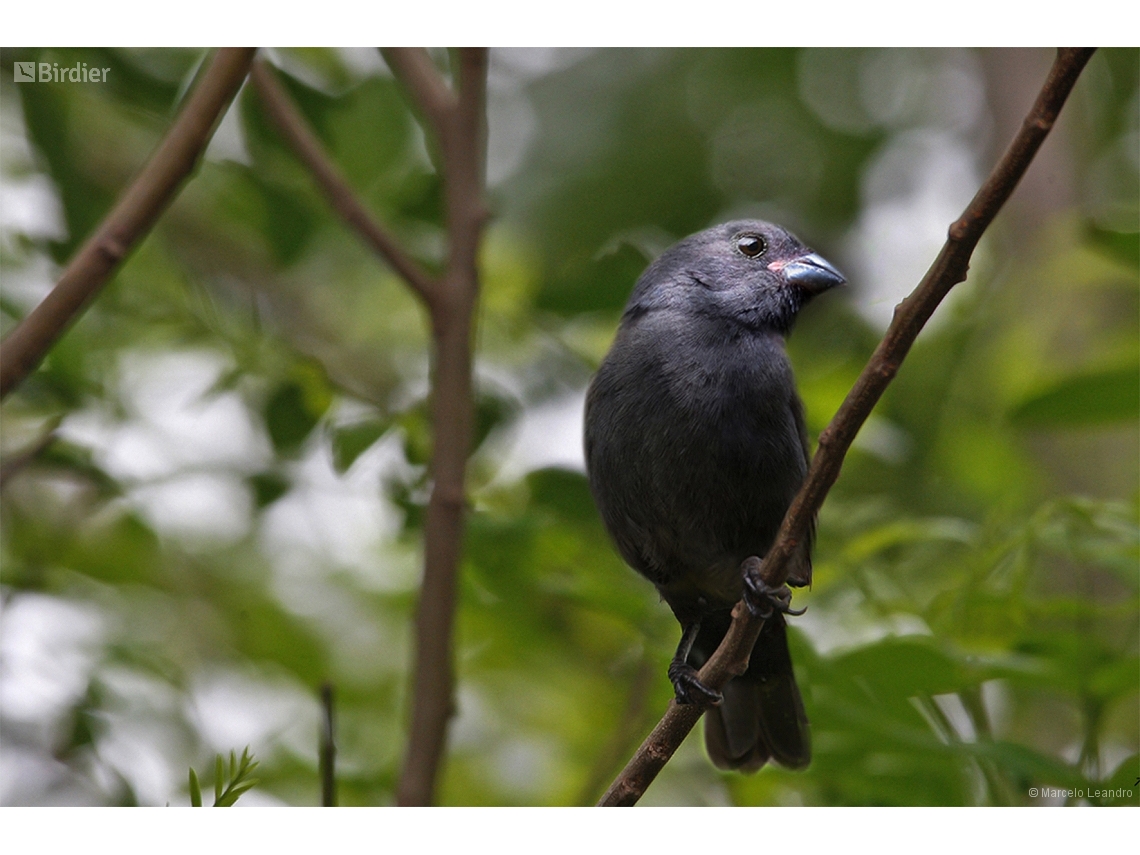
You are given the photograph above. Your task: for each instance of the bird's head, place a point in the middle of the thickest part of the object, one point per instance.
(746, 272)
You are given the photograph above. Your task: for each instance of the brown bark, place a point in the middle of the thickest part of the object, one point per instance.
(460, 123)
(457, 121)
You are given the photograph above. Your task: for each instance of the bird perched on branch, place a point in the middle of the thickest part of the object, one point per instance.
(695, 447)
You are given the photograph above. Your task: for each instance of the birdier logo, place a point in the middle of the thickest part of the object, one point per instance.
(51, 72)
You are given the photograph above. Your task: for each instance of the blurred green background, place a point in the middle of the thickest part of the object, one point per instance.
(213, 487)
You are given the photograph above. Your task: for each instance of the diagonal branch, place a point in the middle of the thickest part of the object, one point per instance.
(309, 151)
(132, 218)
(949, 268)
(418, 74)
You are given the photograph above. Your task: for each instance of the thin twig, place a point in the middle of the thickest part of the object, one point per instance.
(308, 149)
(132, 218)
(999, 788)
(328, 747)
(462, 147)
(949, 268)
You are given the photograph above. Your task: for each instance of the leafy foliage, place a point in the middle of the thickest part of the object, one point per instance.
(214, 487)
(229, 781)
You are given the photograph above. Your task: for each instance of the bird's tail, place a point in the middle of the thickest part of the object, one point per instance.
(762, 716)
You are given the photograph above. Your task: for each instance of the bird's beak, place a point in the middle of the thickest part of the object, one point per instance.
(812, 272)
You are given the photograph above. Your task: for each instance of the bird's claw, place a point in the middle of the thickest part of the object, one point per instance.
(761, 598)
(688, 687)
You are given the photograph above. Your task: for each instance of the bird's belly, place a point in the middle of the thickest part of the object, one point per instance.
(715, 495)
(719, 587)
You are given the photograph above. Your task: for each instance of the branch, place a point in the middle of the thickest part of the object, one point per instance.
(132, 218)
(461, 126)
(308, 149)
(458, 122)
(949, 268)
(327, 760)
(418, 74)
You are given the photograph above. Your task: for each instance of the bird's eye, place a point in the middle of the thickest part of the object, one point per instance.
(751, 245)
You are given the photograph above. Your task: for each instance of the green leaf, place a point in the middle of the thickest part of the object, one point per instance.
(1120, 788)
(195, 789)
(419, 196)
(268, 487)
(564, 492)
(899, 668)
(296, 406)
(1103, 397)
(233, 793)
(491, 410)
(351, 441)
(288, 223)
(151, 78)
(1028, 765)
(906, 531)
(1122, 246)
(374, 110)
(1115, 679)
(49, 117)
(288, 419)
(238, 780)
(416, 425)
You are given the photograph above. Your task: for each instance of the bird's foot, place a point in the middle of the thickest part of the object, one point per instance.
(761, 598)
(688, 687)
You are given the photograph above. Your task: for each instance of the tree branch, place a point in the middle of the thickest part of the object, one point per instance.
(461, 124)
(949, 268)
(458, 122)
(327, 753)
(132, 218)
(308, 149)
(418, 74)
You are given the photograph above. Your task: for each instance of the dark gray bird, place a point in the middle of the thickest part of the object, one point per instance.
(695, 447)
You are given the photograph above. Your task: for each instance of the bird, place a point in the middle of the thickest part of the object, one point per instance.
(695, 445)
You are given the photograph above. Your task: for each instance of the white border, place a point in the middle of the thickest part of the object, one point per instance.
(613, 23)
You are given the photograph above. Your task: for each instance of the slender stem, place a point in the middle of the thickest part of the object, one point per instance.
(300, 137)
(462, 143)
(949, 268)
(1089, 761)
(457, 119)
(328, 747)
(132, 218)
(996, 782)
(418, 74)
